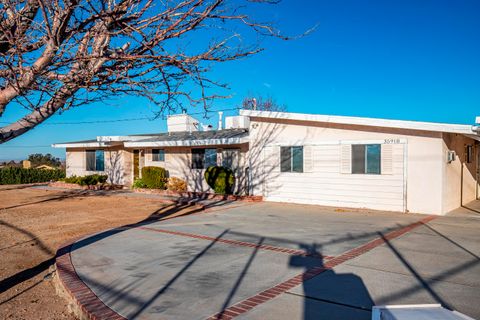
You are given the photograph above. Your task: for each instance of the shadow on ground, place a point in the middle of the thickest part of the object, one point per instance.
(354, 284)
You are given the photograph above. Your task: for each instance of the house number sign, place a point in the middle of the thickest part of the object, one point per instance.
(391, 141)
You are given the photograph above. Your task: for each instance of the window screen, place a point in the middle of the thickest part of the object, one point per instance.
(95, 160)
(366, 158)
(90, 155)
(158, 155)
(291, 159)
(469, 154)
(198, 157)
(204, 158)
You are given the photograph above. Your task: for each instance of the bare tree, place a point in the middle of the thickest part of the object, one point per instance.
(262, 104)
(55, 55)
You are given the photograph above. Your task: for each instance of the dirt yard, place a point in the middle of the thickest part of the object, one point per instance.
(35, 222)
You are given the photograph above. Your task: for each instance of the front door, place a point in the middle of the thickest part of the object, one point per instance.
(137, 161)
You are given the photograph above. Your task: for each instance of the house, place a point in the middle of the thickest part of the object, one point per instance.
(383, 164)
(45, 167)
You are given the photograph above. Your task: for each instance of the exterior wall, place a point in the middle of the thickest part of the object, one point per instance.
(460, 185)
(178, 163)
(325, 184)
(114, 164)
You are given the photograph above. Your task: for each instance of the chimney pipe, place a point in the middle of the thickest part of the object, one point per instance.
(220, 120)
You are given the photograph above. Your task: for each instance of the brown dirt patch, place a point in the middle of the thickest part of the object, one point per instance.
(35, 222)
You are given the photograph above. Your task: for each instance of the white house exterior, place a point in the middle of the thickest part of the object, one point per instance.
(355, 162)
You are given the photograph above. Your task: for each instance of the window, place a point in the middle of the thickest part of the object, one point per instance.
(210, 157)
(366, 158)
(204, 158)
(230, 158)
(95, 160)
(158, 155)
(291, 159)
(469, 153)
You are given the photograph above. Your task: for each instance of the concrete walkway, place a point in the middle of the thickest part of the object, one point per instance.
(278, 261)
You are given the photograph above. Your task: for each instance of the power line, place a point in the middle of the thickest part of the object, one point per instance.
(120, 120)
(2, 146)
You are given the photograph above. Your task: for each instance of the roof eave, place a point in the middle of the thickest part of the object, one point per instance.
(82, 145)
(373, 122)
(187, 143)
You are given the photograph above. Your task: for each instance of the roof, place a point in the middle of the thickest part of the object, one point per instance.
(182, 138)
(362, 121)
(186, 138)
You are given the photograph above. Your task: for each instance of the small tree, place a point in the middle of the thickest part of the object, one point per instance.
(262, 104)
(38, 159)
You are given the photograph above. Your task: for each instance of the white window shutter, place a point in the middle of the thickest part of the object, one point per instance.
(307, 159)
(345, 158)
(387, 159)
(272, 158)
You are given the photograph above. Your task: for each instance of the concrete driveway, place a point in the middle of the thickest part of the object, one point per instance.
(283, 261)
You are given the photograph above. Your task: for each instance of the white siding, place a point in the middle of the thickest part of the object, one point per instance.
(329, 184)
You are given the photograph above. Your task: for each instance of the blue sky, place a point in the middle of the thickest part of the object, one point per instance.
(413, 60)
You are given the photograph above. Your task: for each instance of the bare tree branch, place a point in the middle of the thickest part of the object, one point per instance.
(56, 55)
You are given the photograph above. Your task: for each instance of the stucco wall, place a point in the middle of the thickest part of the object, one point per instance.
(178, 163)
(326, 184)
(114, 164)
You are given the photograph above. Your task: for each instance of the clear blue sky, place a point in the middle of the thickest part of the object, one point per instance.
(402, 59)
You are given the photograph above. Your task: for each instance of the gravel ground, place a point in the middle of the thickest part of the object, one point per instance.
(35, 222)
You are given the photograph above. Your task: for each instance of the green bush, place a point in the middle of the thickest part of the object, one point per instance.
(14, 175)
(220, 179)
(138, 183)
(87, 180)
(154, 177)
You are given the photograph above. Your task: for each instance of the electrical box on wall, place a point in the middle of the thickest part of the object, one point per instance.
(451, 155)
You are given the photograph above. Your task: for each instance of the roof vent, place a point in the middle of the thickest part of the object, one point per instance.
(207, 127)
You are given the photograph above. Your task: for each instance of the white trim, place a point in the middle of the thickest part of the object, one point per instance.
(82, 145)
(373, 122)
(187, 143)
(337, 142)
(123, 138)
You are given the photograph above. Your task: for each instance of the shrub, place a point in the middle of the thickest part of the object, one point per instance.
(14, 175)
(138, 183)
(176, 184)
(87, 180)
(154, 177)
(220, 179)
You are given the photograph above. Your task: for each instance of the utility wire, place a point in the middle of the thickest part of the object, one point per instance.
(121, 120)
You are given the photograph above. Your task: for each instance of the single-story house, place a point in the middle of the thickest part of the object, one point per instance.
(383, 164)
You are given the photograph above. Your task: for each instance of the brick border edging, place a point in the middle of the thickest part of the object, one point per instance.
(74, 186)
(234, 242)
(248, 304)
(85, 300)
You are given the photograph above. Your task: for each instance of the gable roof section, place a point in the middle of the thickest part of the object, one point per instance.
(373, 122)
